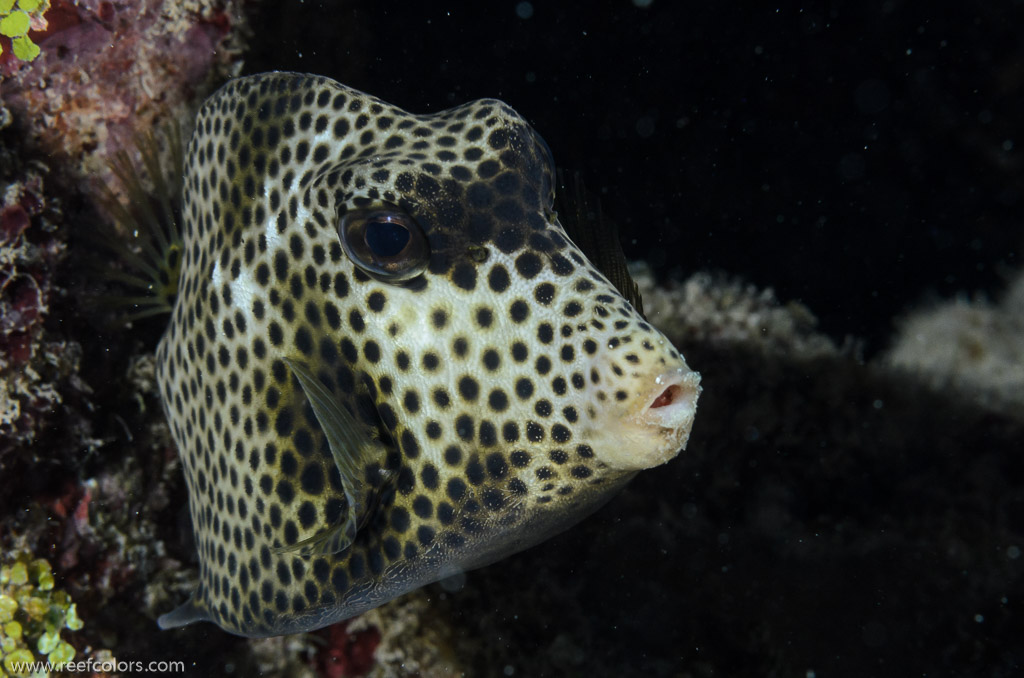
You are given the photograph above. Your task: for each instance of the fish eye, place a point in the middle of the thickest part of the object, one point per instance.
(386, 243)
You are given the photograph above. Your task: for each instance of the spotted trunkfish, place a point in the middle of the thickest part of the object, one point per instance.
(387, 361)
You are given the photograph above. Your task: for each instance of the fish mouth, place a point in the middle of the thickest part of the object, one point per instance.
(675, 404)
(658, 427)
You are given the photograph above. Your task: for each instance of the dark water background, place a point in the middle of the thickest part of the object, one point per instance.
(862, 157)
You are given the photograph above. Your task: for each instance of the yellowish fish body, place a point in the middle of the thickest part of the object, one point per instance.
(387, 362)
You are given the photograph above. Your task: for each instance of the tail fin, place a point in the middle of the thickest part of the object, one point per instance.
(192, 611)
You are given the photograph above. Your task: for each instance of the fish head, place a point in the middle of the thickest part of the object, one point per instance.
(473, 286)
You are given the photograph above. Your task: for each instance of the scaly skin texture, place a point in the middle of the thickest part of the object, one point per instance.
(510, 388)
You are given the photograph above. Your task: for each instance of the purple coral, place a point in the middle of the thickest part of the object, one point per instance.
(30, 250)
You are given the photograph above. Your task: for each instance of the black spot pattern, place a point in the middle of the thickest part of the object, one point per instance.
(475, 379)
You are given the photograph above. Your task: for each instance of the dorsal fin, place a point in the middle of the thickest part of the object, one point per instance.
(581, 217)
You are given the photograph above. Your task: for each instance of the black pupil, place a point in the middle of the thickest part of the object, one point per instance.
(386, 238)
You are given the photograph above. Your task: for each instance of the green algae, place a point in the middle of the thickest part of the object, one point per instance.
(33, 615)
(16, 22)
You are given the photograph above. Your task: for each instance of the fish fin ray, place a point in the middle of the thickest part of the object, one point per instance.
(324, 543)
(351, 446)
(595, 234)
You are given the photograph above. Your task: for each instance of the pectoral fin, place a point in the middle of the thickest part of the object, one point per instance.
(352, 446)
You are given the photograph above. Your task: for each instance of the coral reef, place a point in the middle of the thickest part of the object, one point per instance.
(109, 70)
(98, 491)
(969, 345)
(346, 649)
(40, 390)
(412, 637)
(28, 252)
(703, 309)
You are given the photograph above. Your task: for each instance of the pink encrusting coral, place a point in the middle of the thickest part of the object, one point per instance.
(345, 653)
(110, 69)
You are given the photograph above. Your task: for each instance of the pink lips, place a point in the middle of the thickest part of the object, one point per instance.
(675, 404)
